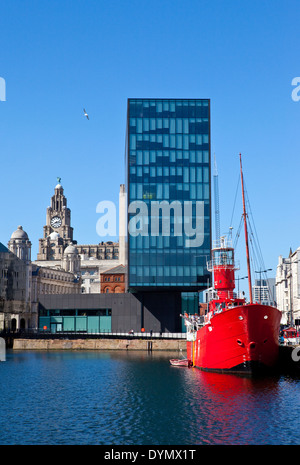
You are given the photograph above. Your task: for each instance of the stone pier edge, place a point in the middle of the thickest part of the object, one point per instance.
(99, 344)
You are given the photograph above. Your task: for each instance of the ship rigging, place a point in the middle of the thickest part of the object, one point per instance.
(234, 335)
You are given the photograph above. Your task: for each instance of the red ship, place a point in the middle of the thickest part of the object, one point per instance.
(235, 335)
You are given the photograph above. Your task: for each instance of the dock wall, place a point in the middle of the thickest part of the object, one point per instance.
(286, 362)
(99, 344)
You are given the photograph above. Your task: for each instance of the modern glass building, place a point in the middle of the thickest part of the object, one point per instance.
(169, 194)
(168, 149)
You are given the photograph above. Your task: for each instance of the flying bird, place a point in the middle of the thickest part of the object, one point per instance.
(85, 114)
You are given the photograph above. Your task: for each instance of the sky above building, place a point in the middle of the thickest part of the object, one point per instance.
(58, 57)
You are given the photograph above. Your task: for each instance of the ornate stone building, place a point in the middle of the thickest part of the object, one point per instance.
(46, 280)
(91, 259)
(288, 287)
(14, 307)
(16, 311)
(23, 282)
(71, 260)
(20, 245)
(62, 266)
(58, 233)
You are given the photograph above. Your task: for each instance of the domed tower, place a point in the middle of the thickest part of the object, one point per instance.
(71, 260)
(20, 245)
(58, 232)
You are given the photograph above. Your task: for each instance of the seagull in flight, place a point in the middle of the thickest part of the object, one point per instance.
(85, 114)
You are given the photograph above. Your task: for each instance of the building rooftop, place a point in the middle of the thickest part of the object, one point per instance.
(19, 234)
(3, 249)
(116, 270)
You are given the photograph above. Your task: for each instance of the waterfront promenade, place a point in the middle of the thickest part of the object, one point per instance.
(96, 341)
(100, 344)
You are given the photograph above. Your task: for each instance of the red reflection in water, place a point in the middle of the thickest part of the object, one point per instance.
(235, 408)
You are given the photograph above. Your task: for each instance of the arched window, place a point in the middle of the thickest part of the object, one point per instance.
(13, 324)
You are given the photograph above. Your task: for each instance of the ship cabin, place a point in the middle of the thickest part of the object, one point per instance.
(218, 305)
(223, 266)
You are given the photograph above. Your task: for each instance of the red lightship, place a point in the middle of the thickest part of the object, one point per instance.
(234, 336)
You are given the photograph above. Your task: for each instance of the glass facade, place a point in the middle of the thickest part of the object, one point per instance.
(168, 186)
(74, 320)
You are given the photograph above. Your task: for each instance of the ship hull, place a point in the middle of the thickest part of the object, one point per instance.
(244, 339)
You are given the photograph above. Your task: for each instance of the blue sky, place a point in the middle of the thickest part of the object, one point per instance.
(58, 56)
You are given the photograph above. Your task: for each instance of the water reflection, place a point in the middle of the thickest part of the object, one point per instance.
(118, 397)
(230, 409)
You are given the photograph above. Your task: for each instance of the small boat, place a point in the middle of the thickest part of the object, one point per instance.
(291, 336)
(181, 362)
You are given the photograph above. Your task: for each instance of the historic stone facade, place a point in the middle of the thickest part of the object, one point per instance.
(113, 280)
(20, 245)
(288, 287)
(91, 259)
(46, 280)
(23, 282)
(62, 266)
(16, 311)
(58, 233)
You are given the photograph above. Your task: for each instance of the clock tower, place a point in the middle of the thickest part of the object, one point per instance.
(58, 233)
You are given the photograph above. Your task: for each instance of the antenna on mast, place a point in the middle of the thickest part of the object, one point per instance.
(216, 192)
(246, 234)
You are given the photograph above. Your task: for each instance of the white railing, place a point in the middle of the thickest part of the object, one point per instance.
(148, 334)
(222, 243)
(219, 261)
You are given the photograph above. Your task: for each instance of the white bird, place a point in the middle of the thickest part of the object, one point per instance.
(85, 114)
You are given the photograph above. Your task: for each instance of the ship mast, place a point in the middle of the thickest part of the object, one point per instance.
(217, 209)
(246, 234)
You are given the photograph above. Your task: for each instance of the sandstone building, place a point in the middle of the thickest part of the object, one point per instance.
(91, 259)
